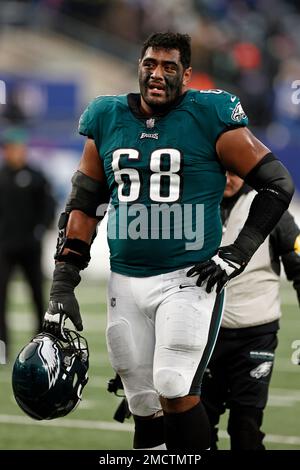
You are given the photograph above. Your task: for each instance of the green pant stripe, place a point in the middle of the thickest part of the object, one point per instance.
(212, 337)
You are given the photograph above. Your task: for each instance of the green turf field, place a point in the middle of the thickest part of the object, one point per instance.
(91, 426)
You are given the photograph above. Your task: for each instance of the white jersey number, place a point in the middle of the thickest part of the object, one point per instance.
(169, 180)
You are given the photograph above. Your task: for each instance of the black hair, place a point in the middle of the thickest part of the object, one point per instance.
(169, 40)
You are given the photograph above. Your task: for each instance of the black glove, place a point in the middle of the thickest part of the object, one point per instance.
(114, 385)
(225, 265)
(122, 412)
(63, 303)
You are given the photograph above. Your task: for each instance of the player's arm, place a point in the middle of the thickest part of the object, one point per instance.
(89, 190)
(241, 152)
(77, 226)
(285, 243)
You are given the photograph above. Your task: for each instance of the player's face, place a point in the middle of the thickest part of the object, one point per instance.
(233, 184)
(162, 78)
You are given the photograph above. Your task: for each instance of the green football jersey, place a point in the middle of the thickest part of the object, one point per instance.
(165, 178)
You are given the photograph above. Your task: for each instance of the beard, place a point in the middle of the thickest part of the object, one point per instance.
(172, 90)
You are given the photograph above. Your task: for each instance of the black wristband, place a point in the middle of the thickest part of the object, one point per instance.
(75, 259)
(80, 259)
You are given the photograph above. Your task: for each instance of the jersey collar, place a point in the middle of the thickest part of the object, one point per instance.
(134, 103)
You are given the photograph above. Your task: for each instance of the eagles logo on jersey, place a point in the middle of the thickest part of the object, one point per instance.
(238, 114)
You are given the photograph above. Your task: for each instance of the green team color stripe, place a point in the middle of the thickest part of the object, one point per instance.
(212, 338)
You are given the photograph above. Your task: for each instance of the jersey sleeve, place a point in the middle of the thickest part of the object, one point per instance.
(86, 122)
(229, 113)
(90, 122)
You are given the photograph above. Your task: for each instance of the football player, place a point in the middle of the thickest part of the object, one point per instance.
(159, 157)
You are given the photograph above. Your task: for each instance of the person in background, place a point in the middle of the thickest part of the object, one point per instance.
(239, 371)
(27, 209)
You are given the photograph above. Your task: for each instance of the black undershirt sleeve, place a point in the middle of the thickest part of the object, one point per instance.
(275, 189)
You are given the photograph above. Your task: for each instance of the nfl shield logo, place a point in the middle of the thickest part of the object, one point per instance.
(150, 123)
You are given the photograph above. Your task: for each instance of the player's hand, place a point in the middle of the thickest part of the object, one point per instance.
(228, 263)
(63, 303)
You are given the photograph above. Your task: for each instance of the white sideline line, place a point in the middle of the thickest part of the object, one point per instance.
(68, 423)
(275, 439)
(108, 426)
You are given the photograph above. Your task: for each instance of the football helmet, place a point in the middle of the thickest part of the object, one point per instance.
(49, 374)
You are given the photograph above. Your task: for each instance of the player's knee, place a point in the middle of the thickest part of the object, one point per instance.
(170, 383)
(144, 403)
(121, 347)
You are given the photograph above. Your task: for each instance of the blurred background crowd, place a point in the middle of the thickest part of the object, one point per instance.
(56, 55)
(250, 47)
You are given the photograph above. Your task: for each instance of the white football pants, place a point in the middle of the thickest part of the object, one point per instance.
(160, 334)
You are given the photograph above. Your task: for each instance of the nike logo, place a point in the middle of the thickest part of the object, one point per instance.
(182, 286)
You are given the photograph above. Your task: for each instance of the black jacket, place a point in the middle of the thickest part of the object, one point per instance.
(27, 208)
